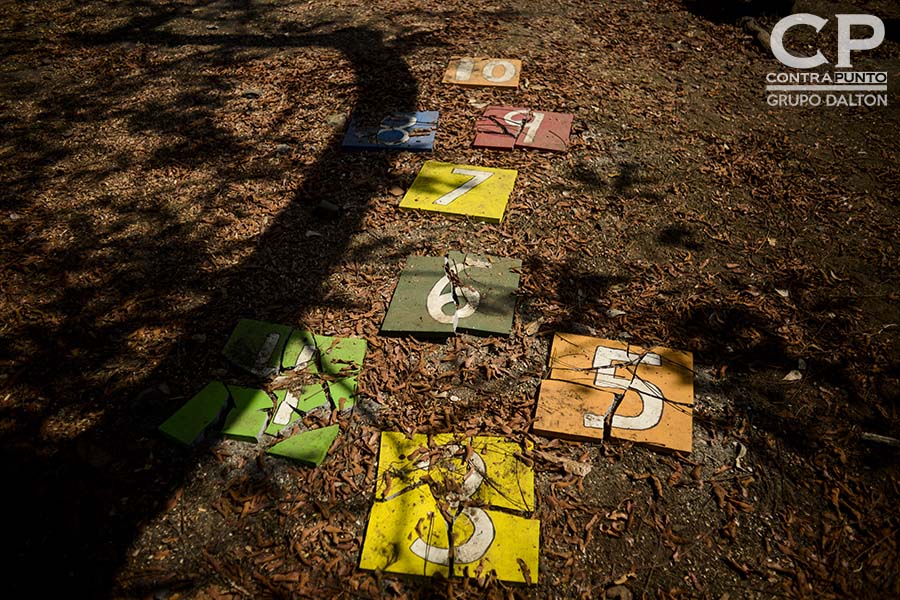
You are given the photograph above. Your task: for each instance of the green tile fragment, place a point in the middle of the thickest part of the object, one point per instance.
(338, 360)
(257, 346)
(291, 407)
(341, 361)
(249, 417)
(309, 447)
(300, 351)
(189, 422)
(423, 302)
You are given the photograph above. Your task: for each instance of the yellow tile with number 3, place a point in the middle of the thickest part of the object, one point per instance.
(478, 192)
(453, 505)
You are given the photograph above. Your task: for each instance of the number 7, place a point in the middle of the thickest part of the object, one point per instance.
(477, 178)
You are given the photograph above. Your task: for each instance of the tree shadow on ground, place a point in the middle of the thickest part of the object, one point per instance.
(79, 501)
(732, 10)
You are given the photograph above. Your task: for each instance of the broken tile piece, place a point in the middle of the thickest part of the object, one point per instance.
(292, 406)
(339, 360)
(308, 447)
(478, 192)
(300, 351)
(490, 508)
(414, 131)
(248, 418)
(498, 127)
(544, 130)
(423, 302)
(257, 346)
(505, 127)
(190, 422)
(472, 71)
(588, 377)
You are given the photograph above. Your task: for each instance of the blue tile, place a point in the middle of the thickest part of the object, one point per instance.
(398, 131)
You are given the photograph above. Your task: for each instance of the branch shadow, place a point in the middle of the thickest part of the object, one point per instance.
(81, 500)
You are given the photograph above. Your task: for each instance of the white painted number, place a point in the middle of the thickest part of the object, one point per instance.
(509, 71)
(477, 178)
(651, 396)
(286, 410)
(464, 69)
(531, 126)
(465, 66)
(437, 299)
(261, 367)
(390, 124)
(482, 527)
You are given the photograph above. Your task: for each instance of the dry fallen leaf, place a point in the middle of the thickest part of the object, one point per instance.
(794, 375)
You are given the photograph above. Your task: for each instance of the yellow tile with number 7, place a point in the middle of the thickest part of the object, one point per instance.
(478, 192)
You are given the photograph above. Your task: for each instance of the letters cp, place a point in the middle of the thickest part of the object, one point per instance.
(846, 44)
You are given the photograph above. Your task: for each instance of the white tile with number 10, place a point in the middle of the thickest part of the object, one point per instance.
(478, 192)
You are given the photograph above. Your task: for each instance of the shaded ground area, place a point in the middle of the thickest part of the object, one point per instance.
(164, 163)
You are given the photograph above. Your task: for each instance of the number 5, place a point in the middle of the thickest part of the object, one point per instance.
(651, 396)
(477, 178)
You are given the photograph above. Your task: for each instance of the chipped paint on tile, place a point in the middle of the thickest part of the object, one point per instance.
(467, 479)
(496, 129)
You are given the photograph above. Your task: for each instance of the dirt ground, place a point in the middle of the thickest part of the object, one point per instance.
(162, 167)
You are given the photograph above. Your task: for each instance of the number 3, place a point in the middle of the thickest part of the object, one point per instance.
(483, 528)
(477, 178)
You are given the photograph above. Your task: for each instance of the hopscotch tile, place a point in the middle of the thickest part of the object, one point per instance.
(308, 447)
(505, 127)
(414, 131)
(588, 373)
(479, 192)
(467, 70)
(191, 421)
(423, 301)
(257, 346)
(250, 415)
(407, 532)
